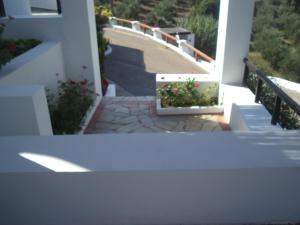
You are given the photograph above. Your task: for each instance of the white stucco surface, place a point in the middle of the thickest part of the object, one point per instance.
(44, 4)
(42, 65)
(187, 178)
(24, 111)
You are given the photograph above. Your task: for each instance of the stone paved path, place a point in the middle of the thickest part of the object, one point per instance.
(137, 115)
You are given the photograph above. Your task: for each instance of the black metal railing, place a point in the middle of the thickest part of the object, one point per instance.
(277, 98)
(2, 9)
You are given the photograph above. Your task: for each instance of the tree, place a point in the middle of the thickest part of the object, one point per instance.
(163, 14)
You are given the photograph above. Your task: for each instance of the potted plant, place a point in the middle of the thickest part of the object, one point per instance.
(187, 96)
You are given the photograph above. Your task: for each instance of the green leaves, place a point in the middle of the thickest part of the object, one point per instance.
(68, 110)
(185, 94)
(205, 29)
(128, 9)
(163, 14)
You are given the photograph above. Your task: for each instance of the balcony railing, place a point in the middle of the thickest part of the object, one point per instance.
(284, 109)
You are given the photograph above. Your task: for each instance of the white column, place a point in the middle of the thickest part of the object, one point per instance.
(17, 7)
(235, 26)
(80, 41)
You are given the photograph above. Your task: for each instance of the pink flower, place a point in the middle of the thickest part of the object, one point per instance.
(197, 84)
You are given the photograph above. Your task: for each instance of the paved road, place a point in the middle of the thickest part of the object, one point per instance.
(136, 60)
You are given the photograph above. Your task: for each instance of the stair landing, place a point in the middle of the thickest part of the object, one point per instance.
(138, 115)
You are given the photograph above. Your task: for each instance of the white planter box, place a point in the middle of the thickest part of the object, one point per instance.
(187, 110)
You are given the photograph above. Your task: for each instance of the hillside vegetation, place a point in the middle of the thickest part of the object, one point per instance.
(275, 41)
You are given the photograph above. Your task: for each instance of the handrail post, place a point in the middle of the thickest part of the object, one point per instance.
(246, 74)
(258, 90)
(276, 111)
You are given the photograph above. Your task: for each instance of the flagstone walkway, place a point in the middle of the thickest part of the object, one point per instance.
(137, 115)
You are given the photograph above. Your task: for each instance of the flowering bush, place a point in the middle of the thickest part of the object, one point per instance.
(12, 48)
(185, 94)
(68, 110)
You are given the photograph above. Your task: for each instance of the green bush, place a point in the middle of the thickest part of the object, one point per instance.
(68, 110)
(205, 29)
(128, 9)
(102, 13)
(184, 94)
(102, 47)
(163, 14)
(12, 48)
(206, 7)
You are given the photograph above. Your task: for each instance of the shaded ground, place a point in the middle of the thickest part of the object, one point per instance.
(137, 115)
(136, 60)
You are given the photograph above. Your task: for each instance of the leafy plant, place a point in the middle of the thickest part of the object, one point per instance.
(102, 13)
(68, 109)
(205, 29)
(185, 94)
(12, 48)
(128, 9)
(163, 14)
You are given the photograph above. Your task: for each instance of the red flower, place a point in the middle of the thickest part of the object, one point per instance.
(72, 82)
(11, 46)
(83, 82)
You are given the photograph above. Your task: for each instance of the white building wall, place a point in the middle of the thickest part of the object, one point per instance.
(75, 29)
(44, 4)
(42, 65)
(24, 111)
(17, 7)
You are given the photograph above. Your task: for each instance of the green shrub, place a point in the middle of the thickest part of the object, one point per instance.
(269, 43)
(206, 7)
(205, 29)
(128, 9)
(163, 14)
(102, 47)
(13, 48)
(184, 94)
(102, 13)
(68, 110)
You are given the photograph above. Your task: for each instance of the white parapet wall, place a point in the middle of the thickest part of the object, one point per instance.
(183, 178)
(24, 111)
(42, 65)
(44, 4)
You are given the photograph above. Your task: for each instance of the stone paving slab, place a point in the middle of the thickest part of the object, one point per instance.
(138, 115)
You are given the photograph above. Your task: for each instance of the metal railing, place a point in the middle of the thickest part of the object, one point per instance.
(280, 95)
(166, 37)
